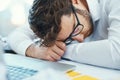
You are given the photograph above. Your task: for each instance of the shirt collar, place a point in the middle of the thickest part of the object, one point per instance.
(94, 9)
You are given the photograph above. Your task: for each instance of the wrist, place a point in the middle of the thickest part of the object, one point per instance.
(30, 50)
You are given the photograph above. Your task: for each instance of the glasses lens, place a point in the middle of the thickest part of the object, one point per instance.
(77, 30)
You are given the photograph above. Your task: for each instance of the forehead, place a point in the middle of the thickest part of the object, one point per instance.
(67, 22)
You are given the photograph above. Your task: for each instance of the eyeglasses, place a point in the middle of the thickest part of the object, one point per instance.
(77, 29)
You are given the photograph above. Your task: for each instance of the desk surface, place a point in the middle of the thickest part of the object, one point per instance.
(98, 72)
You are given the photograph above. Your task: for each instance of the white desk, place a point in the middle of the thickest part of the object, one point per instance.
(100, 73)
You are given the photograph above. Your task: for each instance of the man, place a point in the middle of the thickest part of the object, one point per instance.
(61, 23)
(55, 23)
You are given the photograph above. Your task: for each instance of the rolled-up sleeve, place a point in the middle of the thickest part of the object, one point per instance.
(21, 39)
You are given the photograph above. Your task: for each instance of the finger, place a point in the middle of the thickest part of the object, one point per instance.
(58, 50)
(55, 56)
(49, 58)
(61, 45)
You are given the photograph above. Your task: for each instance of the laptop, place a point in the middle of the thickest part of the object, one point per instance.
(2, 66)
(21, 67)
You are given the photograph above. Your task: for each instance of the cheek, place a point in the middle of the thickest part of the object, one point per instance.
(88, 27)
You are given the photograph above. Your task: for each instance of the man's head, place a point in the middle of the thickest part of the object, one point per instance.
(53, 20)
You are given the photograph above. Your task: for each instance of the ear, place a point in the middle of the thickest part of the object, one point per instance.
(75, 1)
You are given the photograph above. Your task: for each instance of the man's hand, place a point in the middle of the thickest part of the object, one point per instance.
(52, 53)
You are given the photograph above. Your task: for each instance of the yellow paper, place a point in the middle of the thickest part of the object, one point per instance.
(72, 73)
(84, 77)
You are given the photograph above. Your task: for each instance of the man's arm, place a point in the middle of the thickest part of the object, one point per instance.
(100, 53)
(22, 42)
(52, 53)
(106, 52)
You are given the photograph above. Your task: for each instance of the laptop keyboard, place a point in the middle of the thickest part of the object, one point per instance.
(19, 73)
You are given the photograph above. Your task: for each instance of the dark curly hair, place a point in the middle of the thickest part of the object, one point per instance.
(45, 18)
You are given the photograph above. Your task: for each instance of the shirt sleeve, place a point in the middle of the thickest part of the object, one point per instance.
(21, 39)
(105, 53)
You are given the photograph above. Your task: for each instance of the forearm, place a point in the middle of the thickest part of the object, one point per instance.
(31, 51)
(104, 53)
(101, 53)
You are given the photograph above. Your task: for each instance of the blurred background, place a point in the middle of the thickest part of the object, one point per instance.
(13, 14)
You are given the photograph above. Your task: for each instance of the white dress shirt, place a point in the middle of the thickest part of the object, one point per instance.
(102, 48)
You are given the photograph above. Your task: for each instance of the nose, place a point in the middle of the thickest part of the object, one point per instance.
(79, 37)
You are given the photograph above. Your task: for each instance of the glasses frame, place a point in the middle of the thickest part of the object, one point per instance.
(68, 40)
